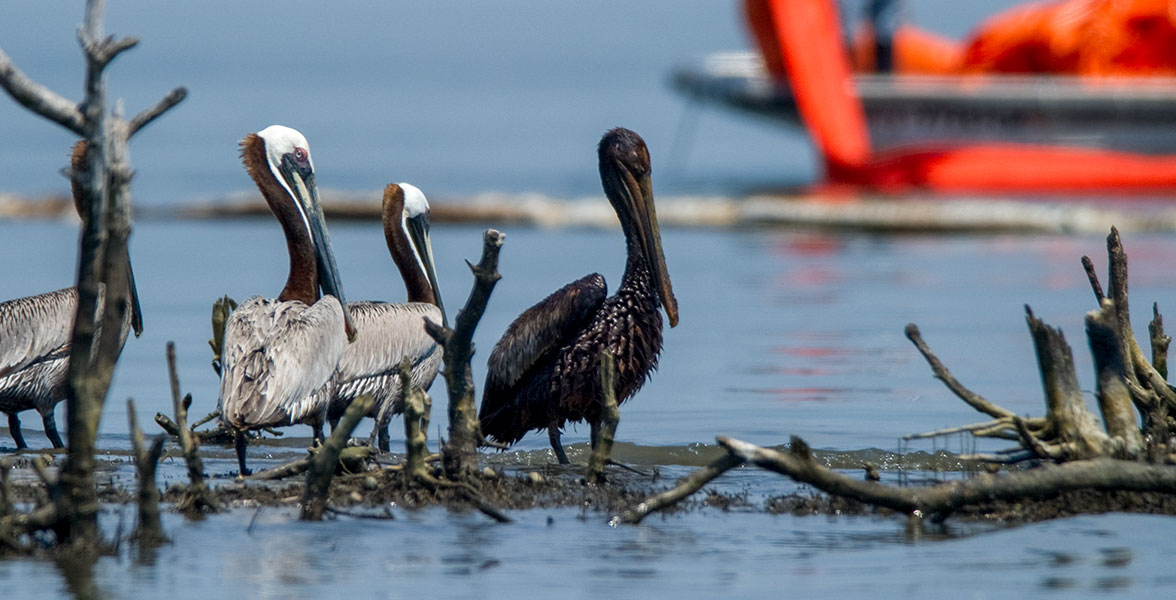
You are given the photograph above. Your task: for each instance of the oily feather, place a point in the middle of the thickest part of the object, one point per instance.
(529, 344)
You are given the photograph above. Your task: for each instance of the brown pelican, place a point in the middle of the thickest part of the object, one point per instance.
(277, 353)
(545, 370)
(390, 332)
(35, 332)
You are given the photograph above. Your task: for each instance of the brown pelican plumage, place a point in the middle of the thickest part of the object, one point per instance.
(390, 332)
(545, 370)
(35, 333)
(277, 353)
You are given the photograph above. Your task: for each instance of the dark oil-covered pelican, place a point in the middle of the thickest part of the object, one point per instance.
(278, 352)
(35, 333)
(390, 332)
(545, 370)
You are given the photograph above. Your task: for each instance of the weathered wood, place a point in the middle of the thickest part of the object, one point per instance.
(416, 424)
(610, 415)
(1043, 482)
(459, 455)
(198, 499)
(973, 399)
(1159, 342)
(687, 486)
(322, 465)
(104, 198)
(1071, 425)
(150, 528)
(1114, 399)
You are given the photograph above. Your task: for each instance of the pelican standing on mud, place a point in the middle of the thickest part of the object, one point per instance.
(389, 332)
(277, 353)
(545, 370)
(35, 332)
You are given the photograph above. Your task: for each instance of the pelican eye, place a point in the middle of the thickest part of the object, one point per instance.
(300, 154)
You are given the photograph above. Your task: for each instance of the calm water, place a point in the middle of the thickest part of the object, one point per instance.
(781, 332)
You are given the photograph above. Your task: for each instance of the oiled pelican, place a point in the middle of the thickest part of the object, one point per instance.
(35, 333)
(390, 332)
(277, 353)
(545, 370)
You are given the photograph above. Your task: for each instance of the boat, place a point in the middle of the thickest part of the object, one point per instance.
(1125, 114)
(955, 131)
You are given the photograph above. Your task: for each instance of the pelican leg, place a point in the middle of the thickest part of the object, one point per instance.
(383, 438)
(317, 429)
(241, 442)
(595, 433)
(14, 429)
(553, 435)
(50, 423)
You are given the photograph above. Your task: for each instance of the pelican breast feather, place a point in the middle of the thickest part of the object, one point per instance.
(276, 355)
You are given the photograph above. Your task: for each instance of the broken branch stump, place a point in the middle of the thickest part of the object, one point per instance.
(322, 465)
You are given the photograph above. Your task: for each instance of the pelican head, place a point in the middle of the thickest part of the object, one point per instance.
(406, 216)
(624, 173)
(287, 156)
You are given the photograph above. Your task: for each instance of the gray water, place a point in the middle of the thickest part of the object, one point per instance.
(781, 333)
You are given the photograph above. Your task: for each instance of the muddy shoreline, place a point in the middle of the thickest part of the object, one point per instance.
(372, 493)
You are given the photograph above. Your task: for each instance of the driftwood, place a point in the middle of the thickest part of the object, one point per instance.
(221, 309)
(218, 436)
(150, 528)
(1073, 448)
(103, 186)
(610, 415)
(459, 454)
(322, 464)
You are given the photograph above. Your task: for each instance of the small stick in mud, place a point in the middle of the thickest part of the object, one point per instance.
(322, 464)
(150, 528)
(351, 459)
(197, 498)
(459, 455)
(687, 486)
(610, 415)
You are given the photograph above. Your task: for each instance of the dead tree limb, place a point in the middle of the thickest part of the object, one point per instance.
(1159, 342)
(322, 465)
(351, 460)
(609, 417)
(104, 198)
(973, 399)
(1042, 482)
(1115, 399)
(150, 528)
(461, 450)
(197, 499)
(416, 424)
(1002, 426)
(687, 486)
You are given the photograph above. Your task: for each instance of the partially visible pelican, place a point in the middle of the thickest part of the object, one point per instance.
(545, 370)
(35, 333)
(390, 332)
(277, 353)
